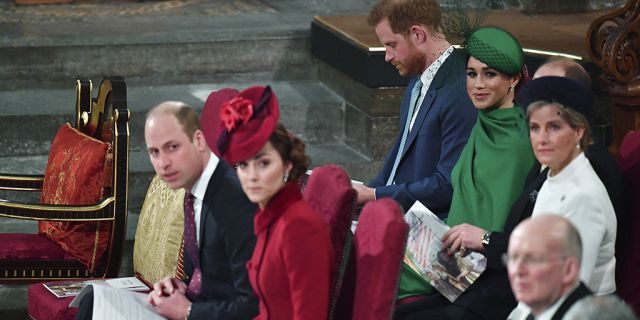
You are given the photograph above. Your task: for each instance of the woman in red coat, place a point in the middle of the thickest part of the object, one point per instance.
(290, 266)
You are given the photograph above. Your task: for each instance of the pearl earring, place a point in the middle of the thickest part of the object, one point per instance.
(286, 177)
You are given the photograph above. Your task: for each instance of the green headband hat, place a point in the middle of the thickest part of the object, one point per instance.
(496, 48)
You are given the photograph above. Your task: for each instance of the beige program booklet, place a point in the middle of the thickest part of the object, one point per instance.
(449, 274)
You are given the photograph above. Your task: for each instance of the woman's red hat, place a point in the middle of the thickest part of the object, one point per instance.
(237, 125)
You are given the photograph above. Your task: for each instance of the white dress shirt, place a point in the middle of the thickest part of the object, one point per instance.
(200, 188)
(426, 78)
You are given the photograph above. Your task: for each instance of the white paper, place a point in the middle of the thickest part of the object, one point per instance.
(116, 304)
(71, 288)
(127, 283)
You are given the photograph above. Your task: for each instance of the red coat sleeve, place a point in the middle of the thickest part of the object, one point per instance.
(307, 258)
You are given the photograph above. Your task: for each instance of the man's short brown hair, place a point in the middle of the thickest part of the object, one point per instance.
(402, 14)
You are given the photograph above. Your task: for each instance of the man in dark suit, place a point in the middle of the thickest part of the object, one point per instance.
(223, 216)
(218, 237)
(436, 114)
(543, 262)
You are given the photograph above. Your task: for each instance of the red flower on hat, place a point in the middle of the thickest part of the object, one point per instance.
(235, 111)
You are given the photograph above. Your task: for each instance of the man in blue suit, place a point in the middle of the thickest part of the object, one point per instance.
(436, 114)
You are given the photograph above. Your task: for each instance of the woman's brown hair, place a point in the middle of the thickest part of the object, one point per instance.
(290, 149)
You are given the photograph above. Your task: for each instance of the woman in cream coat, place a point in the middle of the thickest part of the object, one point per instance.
(559, 135)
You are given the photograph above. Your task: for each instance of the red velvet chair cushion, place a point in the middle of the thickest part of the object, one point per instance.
(44, 305)
(75, 175)
(627, 276)
(328, 191)
(30, 247)
(379, 244)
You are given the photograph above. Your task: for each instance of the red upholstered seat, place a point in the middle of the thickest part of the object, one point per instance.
(627, 276)
(30, 247)
(83, 208)
(379, 244)
(158, 217)
(74, 176)
(328, 191)
(44, 305)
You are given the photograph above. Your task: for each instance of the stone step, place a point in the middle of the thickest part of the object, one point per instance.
(156, 48)
(30, 118)
(159, 42)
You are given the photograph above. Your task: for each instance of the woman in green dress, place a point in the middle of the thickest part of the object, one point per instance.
(492, 168)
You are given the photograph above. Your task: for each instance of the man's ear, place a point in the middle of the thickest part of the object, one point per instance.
(417, 34)
(571, 270)
(199, 141)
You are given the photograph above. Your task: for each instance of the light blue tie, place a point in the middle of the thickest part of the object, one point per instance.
(415, 93)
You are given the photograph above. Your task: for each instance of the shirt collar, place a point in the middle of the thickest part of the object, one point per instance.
(548, 313)
(430, 72)
(200, 187)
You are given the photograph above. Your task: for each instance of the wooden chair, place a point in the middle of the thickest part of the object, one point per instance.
(157, 251)
(98, 141)
(328, 191)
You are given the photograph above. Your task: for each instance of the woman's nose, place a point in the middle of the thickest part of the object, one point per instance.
(478, 82)
(253, 173)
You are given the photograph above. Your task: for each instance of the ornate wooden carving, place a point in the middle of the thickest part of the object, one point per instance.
(614, 45)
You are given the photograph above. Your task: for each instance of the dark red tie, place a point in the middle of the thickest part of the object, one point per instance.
(191, 244)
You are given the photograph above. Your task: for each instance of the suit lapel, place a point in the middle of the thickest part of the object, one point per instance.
(212, 188)
(580, 292)
(429, 98)
(438, 81)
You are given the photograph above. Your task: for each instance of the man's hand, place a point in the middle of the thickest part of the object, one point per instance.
(167, 286)
(463, 237)
(174, 306)
(168, 297)
(364, 193)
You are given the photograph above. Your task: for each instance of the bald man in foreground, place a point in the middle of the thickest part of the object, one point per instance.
(543, 262)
